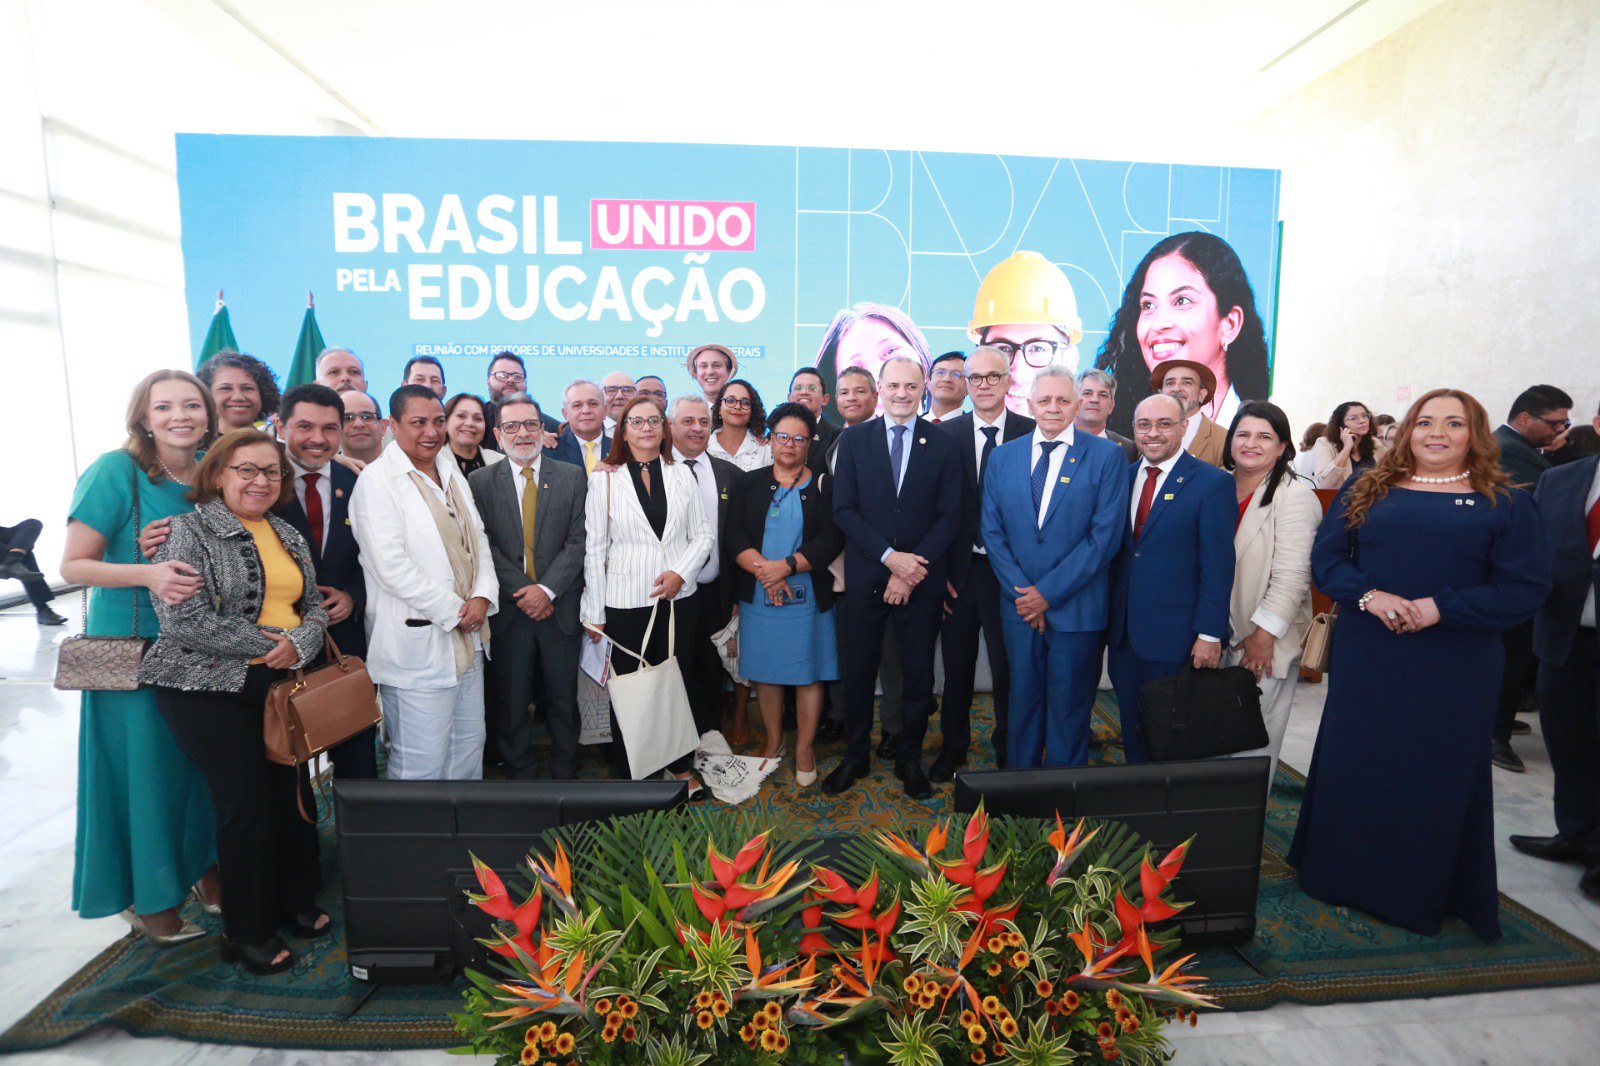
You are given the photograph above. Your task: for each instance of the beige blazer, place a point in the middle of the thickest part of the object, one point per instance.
(1272, 579)
(1208, 441)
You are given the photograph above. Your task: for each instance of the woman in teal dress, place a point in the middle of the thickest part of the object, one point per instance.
(146, 832)
(780, 536)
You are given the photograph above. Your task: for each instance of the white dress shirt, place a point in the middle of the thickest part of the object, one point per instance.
(978, 440)
(1138, 490)
(1588, 505)
(1052, 474)
(522, 490)
(707, 479)
(324, 490)
(752, 454)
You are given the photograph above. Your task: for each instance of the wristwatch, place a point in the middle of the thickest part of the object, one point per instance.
(788, 560)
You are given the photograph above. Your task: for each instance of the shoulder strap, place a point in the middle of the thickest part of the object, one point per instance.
(138, 556)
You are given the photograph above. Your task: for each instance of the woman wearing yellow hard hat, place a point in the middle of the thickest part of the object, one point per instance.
(1026, 308)
(1189, 299)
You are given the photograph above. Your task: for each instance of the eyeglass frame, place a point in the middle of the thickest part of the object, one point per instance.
(1022, 349)
(239, 468)
(790, 438)
(1165, 425)
(360, 416)
(515, 427)
(508, 376)
(993, 377)
(738, 403)
(619, 390)
(642, 421)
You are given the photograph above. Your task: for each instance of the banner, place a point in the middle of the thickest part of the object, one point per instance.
(584, 258)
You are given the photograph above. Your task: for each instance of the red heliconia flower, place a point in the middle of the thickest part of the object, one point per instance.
(832, 887)
(727, 871)
(976, 840)
(712, 907)
(987, 881)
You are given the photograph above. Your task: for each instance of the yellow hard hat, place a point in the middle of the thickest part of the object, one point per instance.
(1026, 287)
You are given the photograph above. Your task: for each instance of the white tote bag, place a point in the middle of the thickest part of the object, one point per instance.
(652, 706)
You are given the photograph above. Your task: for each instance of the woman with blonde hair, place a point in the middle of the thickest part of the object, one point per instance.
(146, 832)
(1429, 555)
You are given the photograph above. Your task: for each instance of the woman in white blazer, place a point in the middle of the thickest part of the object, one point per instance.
(1270, 611)
(426, 602)
(648, 537)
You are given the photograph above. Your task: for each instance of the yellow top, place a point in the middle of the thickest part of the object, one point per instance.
(281, 598)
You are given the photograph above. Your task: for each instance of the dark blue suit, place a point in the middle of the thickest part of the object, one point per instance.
(1068, 559)
(338, 566)
(569, 450)
(1172, 584)
(922, 518)
(1569, 654)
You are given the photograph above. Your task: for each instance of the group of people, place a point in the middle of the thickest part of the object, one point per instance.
(466, 547)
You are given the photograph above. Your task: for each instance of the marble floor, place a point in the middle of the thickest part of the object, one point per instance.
(42, 943)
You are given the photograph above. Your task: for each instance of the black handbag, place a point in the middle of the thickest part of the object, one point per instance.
(1201, 714)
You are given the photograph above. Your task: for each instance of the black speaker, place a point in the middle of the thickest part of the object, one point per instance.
(404, 853)
(1222, 803)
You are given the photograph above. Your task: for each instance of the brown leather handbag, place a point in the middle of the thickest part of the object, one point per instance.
(308, 713)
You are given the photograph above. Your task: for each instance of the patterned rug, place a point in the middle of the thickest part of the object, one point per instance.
(1304, 951)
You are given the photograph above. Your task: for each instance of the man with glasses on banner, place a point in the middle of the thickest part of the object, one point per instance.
(1027, 311)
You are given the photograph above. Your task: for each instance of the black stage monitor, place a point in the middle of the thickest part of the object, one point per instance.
(1220, 802)
(403, 850)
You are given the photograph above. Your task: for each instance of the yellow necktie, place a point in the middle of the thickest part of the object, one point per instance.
(589, 457)
(530, 510)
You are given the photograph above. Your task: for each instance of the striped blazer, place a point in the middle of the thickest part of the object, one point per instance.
(623, 557)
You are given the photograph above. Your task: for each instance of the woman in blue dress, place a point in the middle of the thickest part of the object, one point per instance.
(1429, 555)
(780, 535)
(146, 831)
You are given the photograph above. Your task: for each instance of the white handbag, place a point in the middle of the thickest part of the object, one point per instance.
(652, 706)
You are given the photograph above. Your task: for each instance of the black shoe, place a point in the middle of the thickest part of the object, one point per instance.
(305, 927)
(829, 731)
(257, 958)
(888, 744)
(844, 775)
(1554, 848)
(12, 568)
(1520, 729)
(944, 768)
(47, 617)
(909, 771)
(1502, 756)
(1589, 883)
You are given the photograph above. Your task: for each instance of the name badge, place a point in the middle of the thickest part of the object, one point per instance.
(1166, 496)
(1066, 481)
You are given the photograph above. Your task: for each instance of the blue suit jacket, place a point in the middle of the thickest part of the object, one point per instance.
(922, 518)
(1068, 558)
(338, 564)
(568, 450)
(1176, 581)
(1561, 494)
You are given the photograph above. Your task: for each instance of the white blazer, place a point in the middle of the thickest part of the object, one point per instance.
(1272, 578)
(620, 568)
(408, 573)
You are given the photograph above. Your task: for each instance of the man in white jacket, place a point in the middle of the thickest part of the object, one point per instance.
(430, 586)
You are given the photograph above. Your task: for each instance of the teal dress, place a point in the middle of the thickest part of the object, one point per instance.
(146, 831)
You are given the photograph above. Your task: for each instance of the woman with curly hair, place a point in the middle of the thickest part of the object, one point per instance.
(1429, 555)
(737, 419)
(242, 387)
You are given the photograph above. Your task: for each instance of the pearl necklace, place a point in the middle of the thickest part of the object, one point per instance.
(170, 475)
(1419, 479)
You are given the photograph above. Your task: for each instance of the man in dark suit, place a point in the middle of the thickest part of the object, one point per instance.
(1097, 398)
(972, 607)
(897, 499)
(1564, 636)
(807, 389)
(710, 607)
(1054, 509)
(1539, 419)
(312, 417)
(533, 514)
(1172, 580)
(585, 443)
(508, 374)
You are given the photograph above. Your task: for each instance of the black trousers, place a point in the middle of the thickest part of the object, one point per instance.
(533, 659)
(266, 853)
(974, 612)
(1569, 715)
(627, 626)
(356, 759)
(1521, 674)
(915, 623)
(703, 674)
(21, 538)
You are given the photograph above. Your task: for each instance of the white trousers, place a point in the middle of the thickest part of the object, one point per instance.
(1277, 698)
(436, 734)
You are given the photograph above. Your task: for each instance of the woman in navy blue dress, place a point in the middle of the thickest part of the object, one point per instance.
(1429, 555)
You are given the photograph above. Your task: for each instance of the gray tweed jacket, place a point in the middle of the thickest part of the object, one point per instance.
(208, 640)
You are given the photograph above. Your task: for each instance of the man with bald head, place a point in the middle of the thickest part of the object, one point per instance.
(341, 371)
(1173, 579)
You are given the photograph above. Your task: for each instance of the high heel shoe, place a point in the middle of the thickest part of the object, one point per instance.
(305, 925)
(186, 932)
(258, 958)
(805, 778)
(213, 909)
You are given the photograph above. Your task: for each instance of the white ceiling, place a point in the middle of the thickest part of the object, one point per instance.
(1151, 79)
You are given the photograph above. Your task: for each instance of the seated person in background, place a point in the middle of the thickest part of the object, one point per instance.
(18, 564)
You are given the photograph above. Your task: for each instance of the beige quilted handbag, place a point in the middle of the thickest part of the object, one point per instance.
(104, 664)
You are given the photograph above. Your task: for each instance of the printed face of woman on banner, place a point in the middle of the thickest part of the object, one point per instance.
(869, 335)
(1179, 319)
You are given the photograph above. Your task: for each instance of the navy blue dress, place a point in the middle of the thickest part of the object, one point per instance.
(1398, 818)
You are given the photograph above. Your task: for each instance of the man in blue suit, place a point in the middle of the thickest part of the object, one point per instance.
(897, 500)
(1172, 581)
(312, 418)
(1054, 507)
(1564, 638)
(585, 442)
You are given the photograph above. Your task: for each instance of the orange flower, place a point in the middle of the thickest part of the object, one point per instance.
(705, 1019)
(530, 1055)
(1069, 1001)
(978, 1056)
(911, 984)
(628, 1009)
(603, 1007)
(609, 1034)
(1019, 960)
(968, 1019)
(532, 1035)
(996, 945)
(1044, 988)
(976, 1034)
(761, 1021)
(1008, 1026)
(993, 969)
(748, 1033)
(720, 1007)
(991, 1005)
(628, 1033)
(1130, 1023)
(772, 1011)
(1114, 1000)
(703, 1000)
(1052, 1008)
(769, 1039)
(783, 1042)
(1105, 1031)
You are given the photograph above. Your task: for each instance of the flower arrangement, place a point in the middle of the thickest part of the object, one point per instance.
(1015, 943)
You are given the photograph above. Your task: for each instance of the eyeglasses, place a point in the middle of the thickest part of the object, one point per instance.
(736, 403)
(508, 377)
(1557, 424)
(640, 421)
(364, 417)
(1036, 353)
(993, 377)
(951, 375)
(250, 471)
(511, 429)
(656, 394)
(808, 389)
(1144, 425)
(1354, 417)
(618, 390)
(790, 438)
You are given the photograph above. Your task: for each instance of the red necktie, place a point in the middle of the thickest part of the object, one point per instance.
(314, 512)
(1594, 525)
(1145, 499)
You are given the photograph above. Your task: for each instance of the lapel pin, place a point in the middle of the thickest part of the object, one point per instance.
(1072, 458)
(1166, 496)
(338, 494)
(1180, 481)
(1066, 480)
(922, 440)
(1472, 503)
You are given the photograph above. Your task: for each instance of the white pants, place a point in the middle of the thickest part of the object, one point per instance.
(1277, 697)
(436, 734)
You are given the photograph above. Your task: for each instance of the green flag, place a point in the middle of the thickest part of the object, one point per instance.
(303, 370)
(220, 336)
